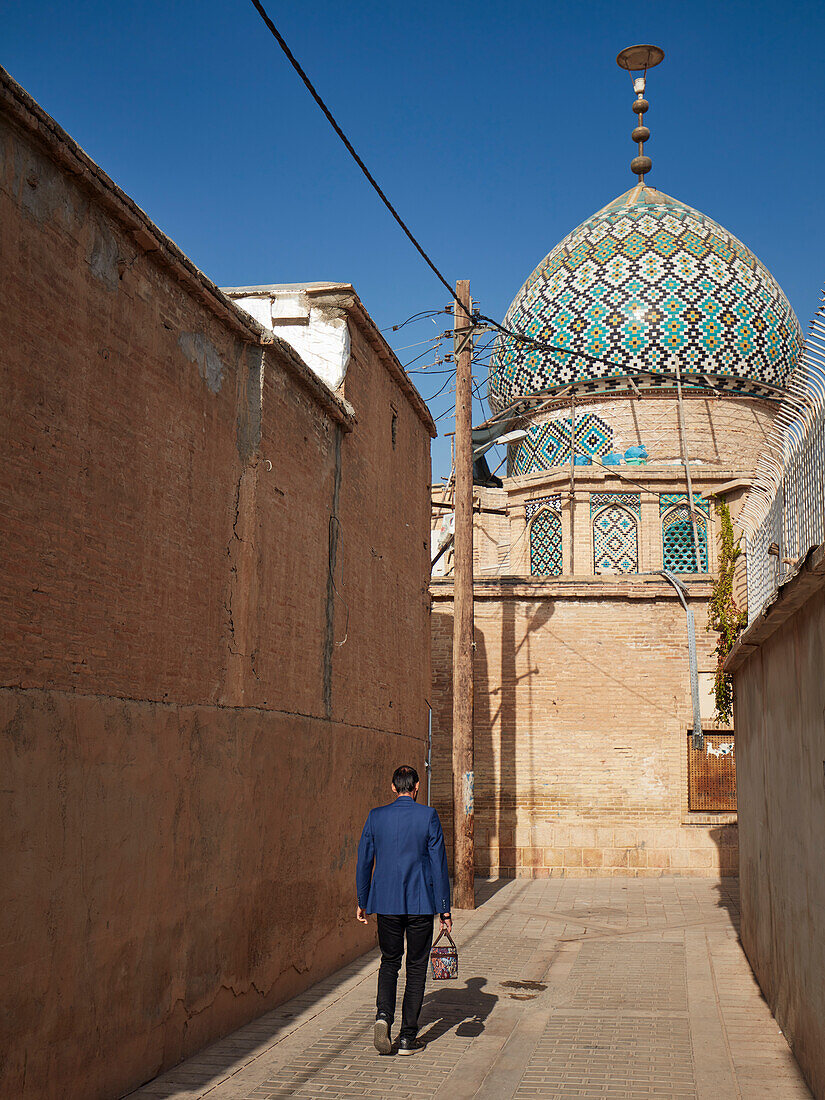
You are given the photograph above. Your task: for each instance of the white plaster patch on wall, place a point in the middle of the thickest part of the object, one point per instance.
(319, 333)
(650, 784)
(103, 255)
(204, 354)
(324, 345)
(259, 308)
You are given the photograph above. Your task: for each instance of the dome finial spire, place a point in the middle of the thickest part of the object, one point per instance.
(638, 59)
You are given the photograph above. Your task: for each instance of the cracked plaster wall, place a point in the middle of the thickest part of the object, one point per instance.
(183, 696)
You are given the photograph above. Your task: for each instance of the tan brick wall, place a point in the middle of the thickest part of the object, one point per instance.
(582, 707)
(197, 709)
(716, 428)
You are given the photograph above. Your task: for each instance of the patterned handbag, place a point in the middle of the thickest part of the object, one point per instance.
(444, 960)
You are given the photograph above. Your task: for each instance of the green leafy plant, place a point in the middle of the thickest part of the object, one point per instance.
(724, 617)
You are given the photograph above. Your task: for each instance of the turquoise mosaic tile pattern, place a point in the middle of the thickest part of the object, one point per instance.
(678, 551)
(548, 444)
(668, 500)
(616, 531)
(532, 506)
(643, 284)
(632, 501)
(545, 545)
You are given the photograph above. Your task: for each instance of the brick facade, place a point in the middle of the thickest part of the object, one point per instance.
(582, 689)
(582, 712)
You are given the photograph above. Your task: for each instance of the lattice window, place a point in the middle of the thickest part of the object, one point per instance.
(712, 774)
(678, 551)
(616, 531)
(545, 543)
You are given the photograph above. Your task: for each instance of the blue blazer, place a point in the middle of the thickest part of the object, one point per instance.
(404, 843)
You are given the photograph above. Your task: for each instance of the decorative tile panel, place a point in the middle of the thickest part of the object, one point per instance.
(548, 444)
(545, 544)
(616, 531)
(633, 501)
(532, 506)
(645, 283)
(668, 500)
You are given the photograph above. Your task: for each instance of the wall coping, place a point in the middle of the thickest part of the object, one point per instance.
(632, 479)
(635, 587)
(344, 296)
(794, 593)
(29, 116)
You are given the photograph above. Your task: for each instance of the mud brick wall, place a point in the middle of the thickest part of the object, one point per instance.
(780, 702)
(581, 715)
(194, 721)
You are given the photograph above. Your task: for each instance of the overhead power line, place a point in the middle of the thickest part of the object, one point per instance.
(537, 344)
(331, 119)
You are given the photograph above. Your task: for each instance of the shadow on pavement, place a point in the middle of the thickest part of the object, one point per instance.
(487, 888)
(464, 1008)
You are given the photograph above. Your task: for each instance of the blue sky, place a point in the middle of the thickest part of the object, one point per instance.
(494, 128)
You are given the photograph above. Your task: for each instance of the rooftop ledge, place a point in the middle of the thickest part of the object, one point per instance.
(636, 586)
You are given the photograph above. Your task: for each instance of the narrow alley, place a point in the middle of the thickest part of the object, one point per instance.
(607, 988)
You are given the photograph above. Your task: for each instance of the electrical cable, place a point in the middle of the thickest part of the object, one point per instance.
(423, 315)
(426, 351)
(537, 344)
(330, 118)
(418, 343)
(334, 519)
(439, 392)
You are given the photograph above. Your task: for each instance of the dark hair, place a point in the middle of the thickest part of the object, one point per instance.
(404, 779)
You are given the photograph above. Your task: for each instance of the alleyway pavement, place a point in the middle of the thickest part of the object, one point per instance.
(606, 988)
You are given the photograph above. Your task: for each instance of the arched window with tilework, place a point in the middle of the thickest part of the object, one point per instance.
(545, 539)
(615, 519)
(678, 551)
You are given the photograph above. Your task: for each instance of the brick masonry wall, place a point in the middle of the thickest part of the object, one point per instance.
(582, 707)
(194, 721)
(718, 429)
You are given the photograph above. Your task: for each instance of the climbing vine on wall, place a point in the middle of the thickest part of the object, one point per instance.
(724, 617)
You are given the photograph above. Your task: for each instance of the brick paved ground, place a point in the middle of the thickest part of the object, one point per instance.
(605, 988)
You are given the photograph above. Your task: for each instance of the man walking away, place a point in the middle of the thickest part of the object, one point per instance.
(404, 844)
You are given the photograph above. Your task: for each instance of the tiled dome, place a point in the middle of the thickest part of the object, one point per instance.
(643, 284)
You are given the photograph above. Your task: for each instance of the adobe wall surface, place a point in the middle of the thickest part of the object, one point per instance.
(780, 701)
(216, 645)
(582, 712)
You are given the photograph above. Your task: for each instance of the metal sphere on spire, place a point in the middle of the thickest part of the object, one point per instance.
(640, 59)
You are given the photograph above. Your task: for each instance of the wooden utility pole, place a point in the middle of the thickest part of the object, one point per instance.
(463, 643)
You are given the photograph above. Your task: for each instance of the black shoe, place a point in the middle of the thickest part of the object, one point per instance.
(410, 1046)
(381, 1036)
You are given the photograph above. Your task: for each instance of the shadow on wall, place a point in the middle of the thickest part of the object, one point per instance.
(498, 805)
(495, 724)
(726, 839)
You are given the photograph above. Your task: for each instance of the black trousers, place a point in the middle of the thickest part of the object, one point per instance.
(391, 931)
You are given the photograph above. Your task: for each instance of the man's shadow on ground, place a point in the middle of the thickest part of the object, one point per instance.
(463, 1007)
